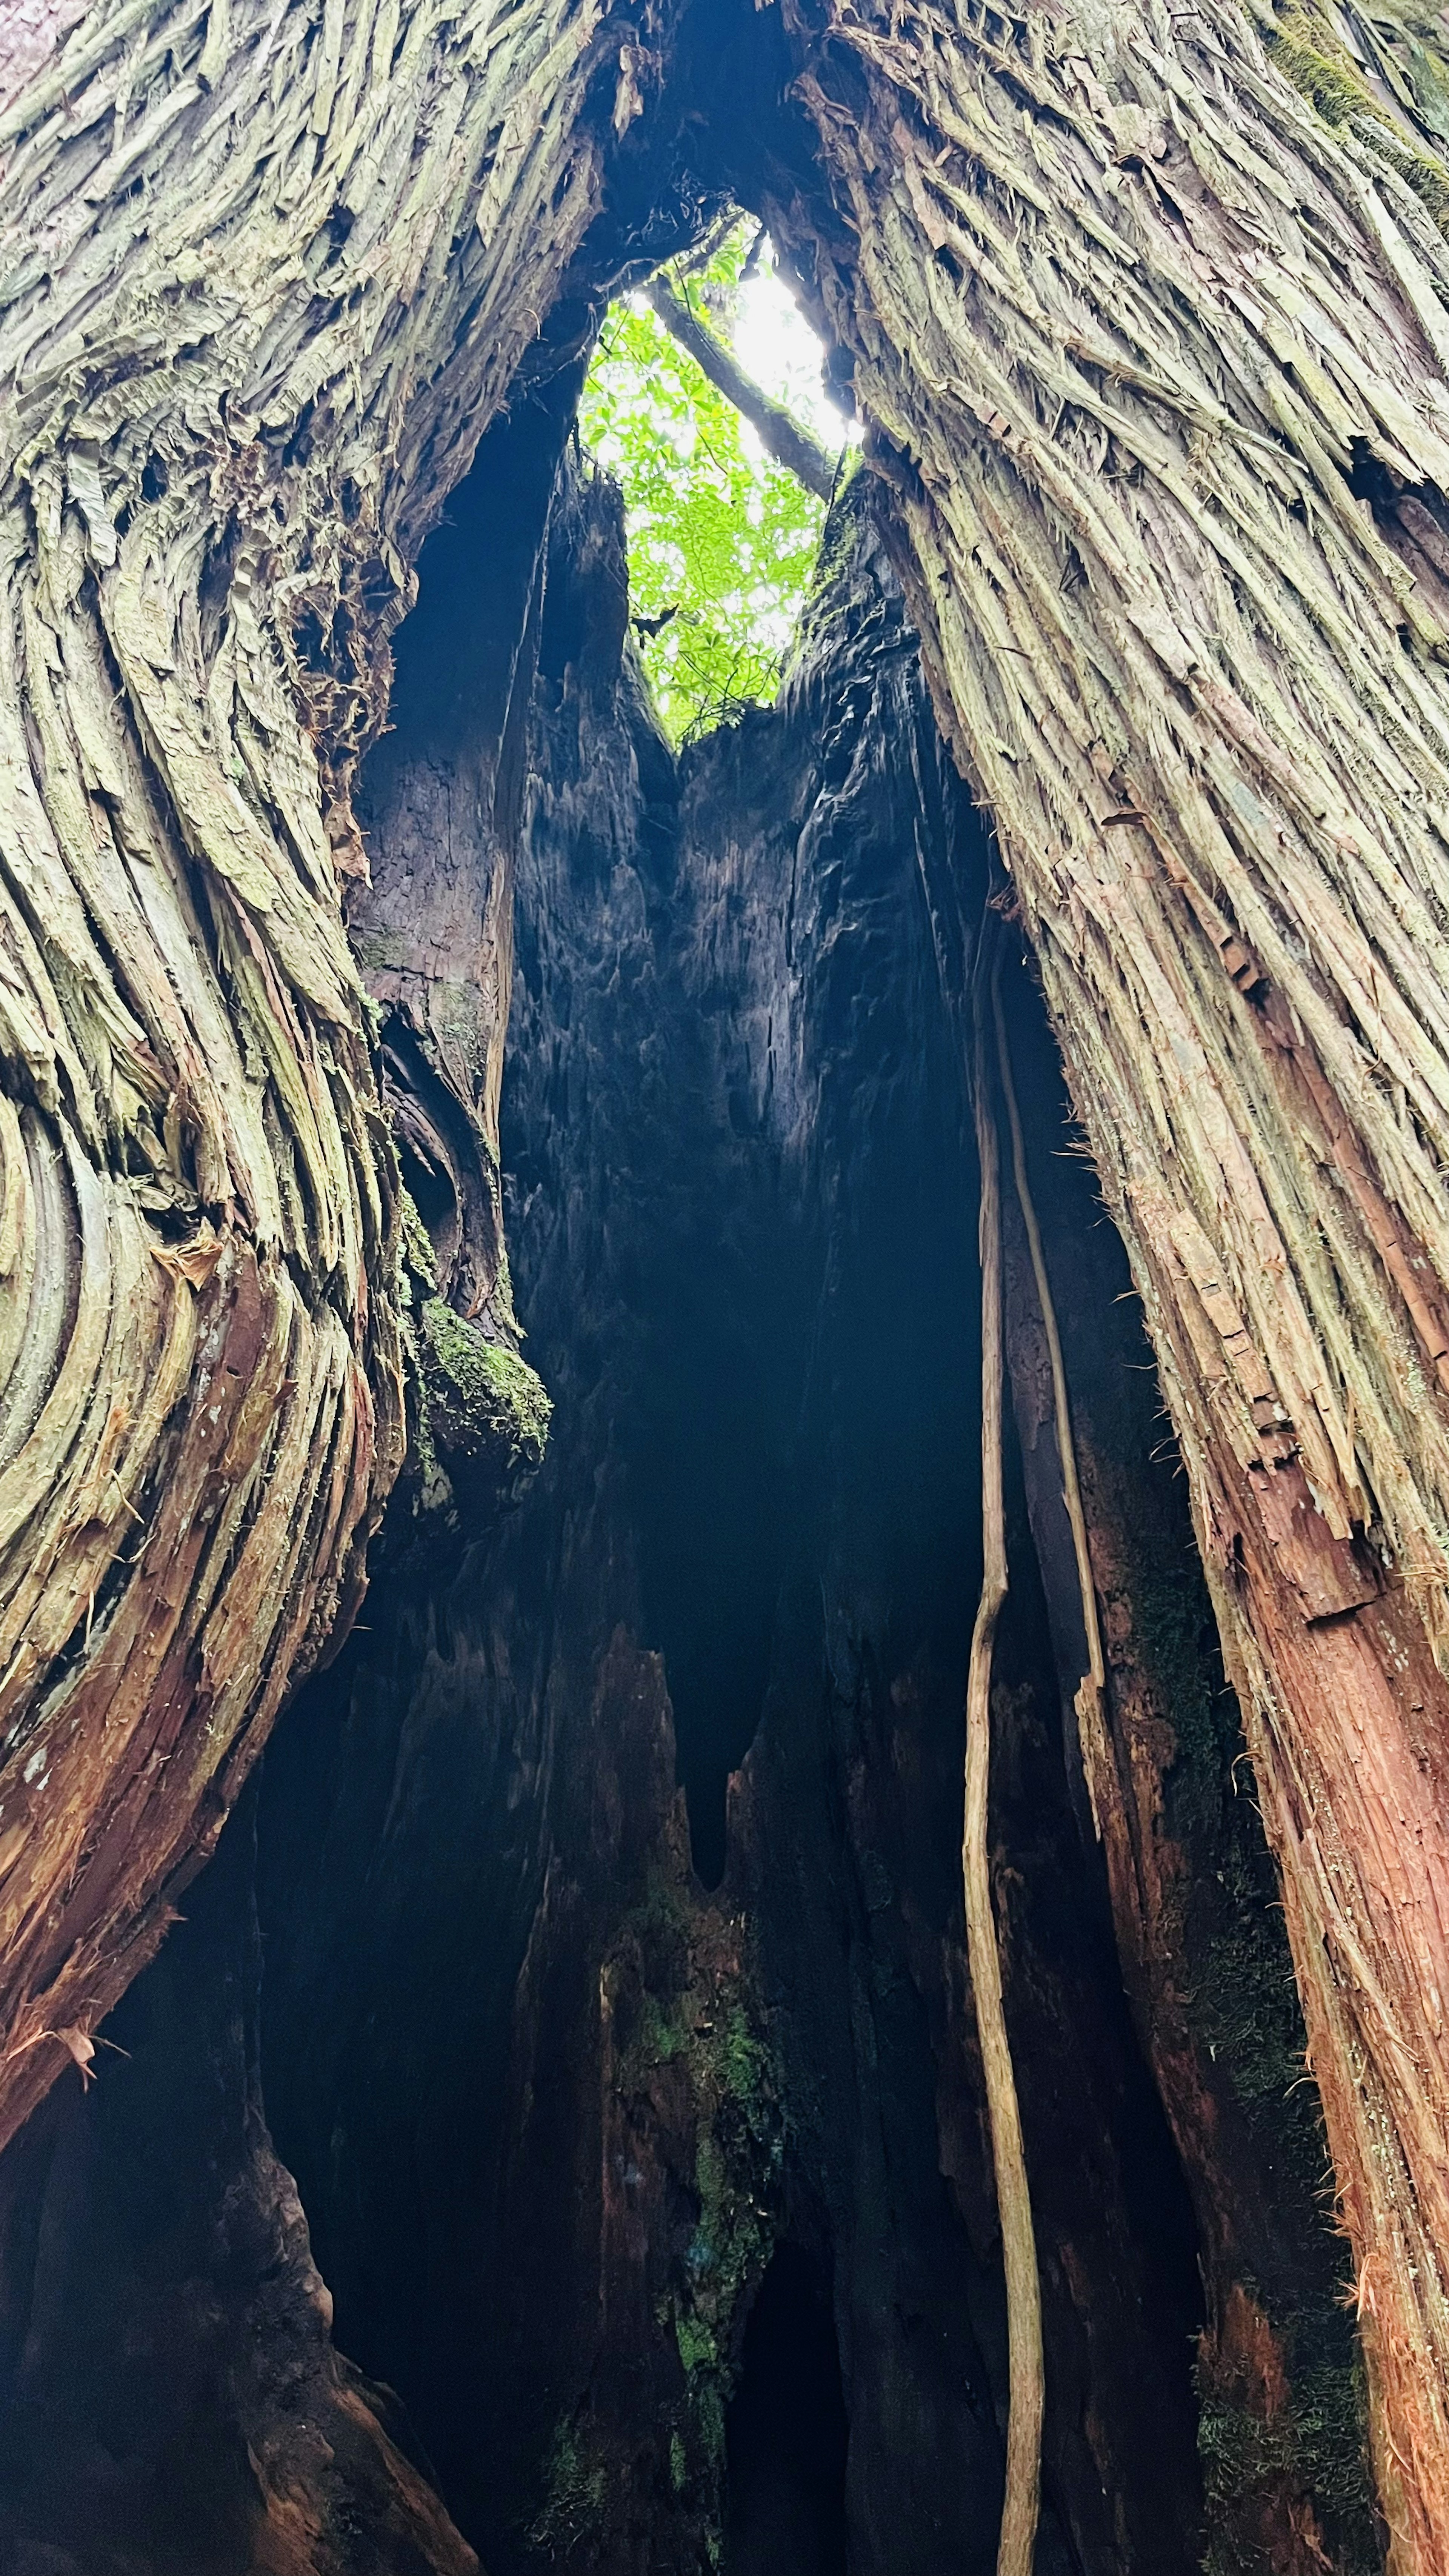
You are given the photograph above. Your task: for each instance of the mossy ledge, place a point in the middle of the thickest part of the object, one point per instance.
(482, 1400)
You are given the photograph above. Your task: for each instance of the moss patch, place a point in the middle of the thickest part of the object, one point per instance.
(1316, 2445)
(575, 2493)
(482, 1398)
(417, 1257)
(1309, 52)
(697, 2074)
(1242, 2006)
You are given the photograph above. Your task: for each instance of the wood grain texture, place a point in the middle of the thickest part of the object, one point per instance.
(268, 270)
(1021, 2501)
(1136, 329)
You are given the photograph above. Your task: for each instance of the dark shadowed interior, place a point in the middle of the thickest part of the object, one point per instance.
(786, 2432)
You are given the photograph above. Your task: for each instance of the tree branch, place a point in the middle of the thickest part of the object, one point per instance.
(781, 436)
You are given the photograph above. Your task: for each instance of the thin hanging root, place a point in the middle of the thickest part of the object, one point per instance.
(1013, 2200)
(1091, 1721)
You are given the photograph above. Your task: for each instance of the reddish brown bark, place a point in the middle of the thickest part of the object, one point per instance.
(224, 432)
(1131, 326)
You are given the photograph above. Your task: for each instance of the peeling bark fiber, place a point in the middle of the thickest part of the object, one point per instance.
(1156, 362)
(268, 270)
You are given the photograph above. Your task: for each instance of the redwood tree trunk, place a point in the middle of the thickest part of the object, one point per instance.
(1137, 332)
(269, 271)
(1155, 358)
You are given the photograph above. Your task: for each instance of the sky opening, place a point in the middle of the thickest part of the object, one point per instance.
(722, 540)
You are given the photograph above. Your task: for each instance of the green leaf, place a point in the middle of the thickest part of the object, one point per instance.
(716, 531)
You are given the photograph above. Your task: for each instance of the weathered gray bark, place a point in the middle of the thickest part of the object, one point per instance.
(1131, 322)
(268, 271)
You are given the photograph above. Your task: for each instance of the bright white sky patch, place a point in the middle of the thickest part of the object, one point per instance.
(776, 345)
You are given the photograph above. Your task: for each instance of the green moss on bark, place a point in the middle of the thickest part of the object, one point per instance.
(1318, 2443)
(1310, 53)
(483, 1398)
(698, 2059)
(575, 2492)
(1242, 2006)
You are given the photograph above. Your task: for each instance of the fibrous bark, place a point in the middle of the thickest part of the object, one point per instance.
(1135, 329)
(268, 270)
(1195, 1898)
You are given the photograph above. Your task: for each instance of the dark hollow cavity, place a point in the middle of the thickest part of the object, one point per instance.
(786, 2432)
(741, 1217)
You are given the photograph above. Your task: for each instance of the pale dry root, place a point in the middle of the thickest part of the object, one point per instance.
(1130, 322)
(268, 268)
(1016, 2548)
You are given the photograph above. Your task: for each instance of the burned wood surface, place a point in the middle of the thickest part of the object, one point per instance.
(170, 2399)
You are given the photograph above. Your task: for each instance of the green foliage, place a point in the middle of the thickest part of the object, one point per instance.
(717, 532)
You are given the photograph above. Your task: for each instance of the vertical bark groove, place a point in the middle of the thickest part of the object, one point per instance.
(1091, 1722)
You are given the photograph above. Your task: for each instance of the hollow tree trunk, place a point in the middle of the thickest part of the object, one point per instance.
(269, 271)
(1136, 330)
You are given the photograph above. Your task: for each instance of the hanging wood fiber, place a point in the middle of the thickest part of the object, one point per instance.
(1026, 2396)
